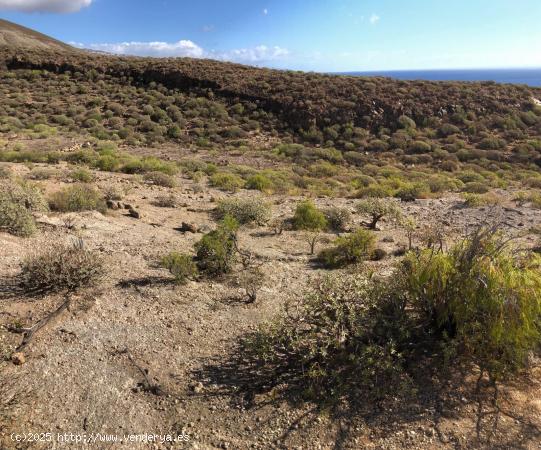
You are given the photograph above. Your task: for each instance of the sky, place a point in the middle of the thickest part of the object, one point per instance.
(315, 35)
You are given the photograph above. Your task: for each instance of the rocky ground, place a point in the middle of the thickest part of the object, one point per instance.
(139, 354)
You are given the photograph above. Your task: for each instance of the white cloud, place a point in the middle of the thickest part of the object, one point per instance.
(265, 11)
(180, 48)
(56, 6)
(254, 55)
(374, 18)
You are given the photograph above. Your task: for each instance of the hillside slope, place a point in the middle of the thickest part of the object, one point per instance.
(17, 37)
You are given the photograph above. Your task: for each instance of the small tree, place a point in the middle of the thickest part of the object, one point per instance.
(308, 217)
(377, 209)
(312, 238)
(251, 279)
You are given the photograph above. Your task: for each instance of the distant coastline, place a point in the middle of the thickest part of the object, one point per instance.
(530, 77)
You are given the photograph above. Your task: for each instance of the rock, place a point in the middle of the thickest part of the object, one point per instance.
(18, 359)
(197, 387)
(188, 228)
(112, 205)
(127, 206)
(135, 214)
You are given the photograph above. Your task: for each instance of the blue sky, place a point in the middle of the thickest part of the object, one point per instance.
(321, 35)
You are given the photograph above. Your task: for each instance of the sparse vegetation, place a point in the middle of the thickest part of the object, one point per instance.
(78, 197)
(251, 210)
(181, 266)
(62, 268)
(216, 251)
(351, 249)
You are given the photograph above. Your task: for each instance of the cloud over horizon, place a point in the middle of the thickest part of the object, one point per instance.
(186, 48)
(52, 6)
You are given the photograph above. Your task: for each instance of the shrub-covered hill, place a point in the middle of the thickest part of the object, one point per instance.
(148, 100)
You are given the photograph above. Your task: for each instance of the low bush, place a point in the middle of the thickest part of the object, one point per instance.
(78, 197)
(61, 267)
(82, 175)
(18, 203)
(216, 251)
(259, 182)
(181, 266)
(476, 200)
(337, 218)
(226, 181)
(245, 210)
(308, 217)
(475, 307)
(160, 179)
(352, 249)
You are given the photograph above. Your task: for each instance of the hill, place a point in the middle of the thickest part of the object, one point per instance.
(17, 37)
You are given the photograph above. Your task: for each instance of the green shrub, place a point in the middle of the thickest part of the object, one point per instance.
(78, 197)
(61, 267)
(160, 179)
(411, 191)
(18, 202)
(482, 297)
(476, 200)
(475, 187)
(337, 218)
(245, 210)
(181, 266)
(308, 217)
(377, 209)
(259, 182)
(352, 249)
(216, 251)
(374, 191)
(82, 175)
(226, 181)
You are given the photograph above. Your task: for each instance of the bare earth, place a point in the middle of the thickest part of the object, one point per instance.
(85, 371)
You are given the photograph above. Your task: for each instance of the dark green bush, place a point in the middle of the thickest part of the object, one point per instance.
(351, 249)
(216, 251)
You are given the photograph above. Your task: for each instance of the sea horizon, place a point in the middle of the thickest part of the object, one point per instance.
(527, 76)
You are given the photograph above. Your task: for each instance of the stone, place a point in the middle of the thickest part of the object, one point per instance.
(134, 213)
(188, 228)
(112, 205)
(18, 359)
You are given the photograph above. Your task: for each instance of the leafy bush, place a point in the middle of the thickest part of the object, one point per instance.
(226, 181)
(377, 209)
(350, 337)
(482, 297)
(352, 249)
(308, 217)
(337, 218)
(18, 202)
(160, 179)
(259, 182)
(181, 266)
(245, 210)
(216, 251)
(476, 200)
(82, 175)
(62, 267)
(78, 197)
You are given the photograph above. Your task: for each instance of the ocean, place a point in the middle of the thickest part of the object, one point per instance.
(531, 77)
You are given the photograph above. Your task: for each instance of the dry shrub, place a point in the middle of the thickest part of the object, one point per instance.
(62, 267)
